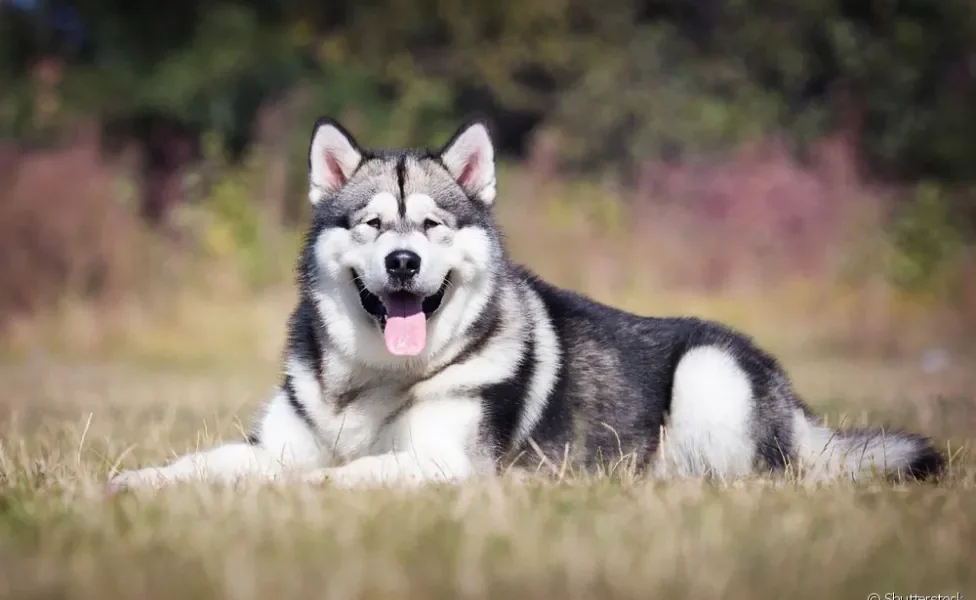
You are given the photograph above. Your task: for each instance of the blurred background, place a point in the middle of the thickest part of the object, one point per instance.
(803, 170)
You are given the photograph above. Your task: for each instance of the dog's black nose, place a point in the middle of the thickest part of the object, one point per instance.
(402, 264)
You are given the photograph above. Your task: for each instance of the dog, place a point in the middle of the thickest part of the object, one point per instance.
(419, 353)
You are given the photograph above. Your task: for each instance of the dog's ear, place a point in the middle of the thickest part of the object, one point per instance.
(333, 156)
(470, 158)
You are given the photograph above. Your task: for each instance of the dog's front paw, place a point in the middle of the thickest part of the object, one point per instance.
(317, 476)
(335, 477)
(136, 479)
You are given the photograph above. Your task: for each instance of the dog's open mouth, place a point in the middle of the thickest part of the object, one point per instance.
(402, 316)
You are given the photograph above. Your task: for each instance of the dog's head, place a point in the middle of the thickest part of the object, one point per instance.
(403, 252)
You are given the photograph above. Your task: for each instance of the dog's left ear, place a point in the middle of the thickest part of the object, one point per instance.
(470, 158)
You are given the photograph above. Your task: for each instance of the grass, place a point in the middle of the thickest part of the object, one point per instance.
(87, 389)
(63, 426)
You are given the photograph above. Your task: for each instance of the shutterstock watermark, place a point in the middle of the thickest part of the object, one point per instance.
(894, 596)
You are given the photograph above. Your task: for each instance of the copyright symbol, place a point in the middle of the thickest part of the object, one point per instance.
(873, 596)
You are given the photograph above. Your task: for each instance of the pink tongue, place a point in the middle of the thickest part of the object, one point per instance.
(406, 325)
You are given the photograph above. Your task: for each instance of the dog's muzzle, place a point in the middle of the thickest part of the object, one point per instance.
(401, 314)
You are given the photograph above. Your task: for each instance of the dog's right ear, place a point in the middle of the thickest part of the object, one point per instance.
(333, 156)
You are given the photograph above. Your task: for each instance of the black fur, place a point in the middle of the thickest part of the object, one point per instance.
(929, 463)
(304, 343)
(289, 389)
(503, 401)
(644, 352)
(401, 175)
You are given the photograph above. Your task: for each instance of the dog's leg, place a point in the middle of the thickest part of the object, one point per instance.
(284, 443)
(223, 464)
(397, 468)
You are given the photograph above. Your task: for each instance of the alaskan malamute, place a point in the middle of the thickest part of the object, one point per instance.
(417, 352)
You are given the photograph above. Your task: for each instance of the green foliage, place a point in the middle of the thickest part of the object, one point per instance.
(209, 65)
(15, 110)
(623, 81)
(673, 102)
(236, 228)
(927, 243)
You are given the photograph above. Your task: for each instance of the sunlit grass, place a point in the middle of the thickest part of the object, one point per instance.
(87, 389)
(63, 427)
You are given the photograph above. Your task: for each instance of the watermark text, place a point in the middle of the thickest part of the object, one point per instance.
(894, 596)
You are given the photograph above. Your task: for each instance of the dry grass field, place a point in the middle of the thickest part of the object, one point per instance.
(64, 424)
(89, 390)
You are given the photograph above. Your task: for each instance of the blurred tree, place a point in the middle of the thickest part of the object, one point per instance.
(623, 81)
(158, 75)
(632, 79)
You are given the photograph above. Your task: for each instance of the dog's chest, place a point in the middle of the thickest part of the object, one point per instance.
(377, 412)
(364, 413)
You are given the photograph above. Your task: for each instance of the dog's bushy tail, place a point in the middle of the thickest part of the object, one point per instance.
(826, 453)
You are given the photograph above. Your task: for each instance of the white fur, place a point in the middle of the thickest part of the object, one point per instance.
(383, 205)
(351, 431)
(493, 364)
(708, 431)
(285, 436)
(547, 361)
(330, 144)
(429, 442)
(420, 207)
(471, 156)
(824, 453)
(468, 255)
(223, 464)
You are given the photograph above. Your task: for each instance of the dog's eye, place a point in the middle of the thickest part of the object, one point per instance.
(374, 223)
(430, 224)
